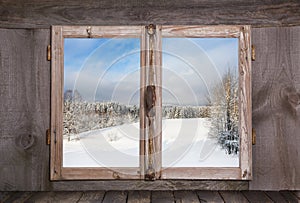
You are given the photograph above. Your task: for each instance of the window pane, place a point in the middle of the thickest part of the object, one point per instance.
(101, 102)
(200, 102)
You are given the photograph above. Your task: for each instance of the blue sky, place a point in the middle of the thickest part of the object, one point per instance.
(108, 69)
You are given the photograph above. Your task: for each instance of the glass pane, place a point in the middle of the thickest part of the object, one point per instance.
(200, 102)
(101, 102)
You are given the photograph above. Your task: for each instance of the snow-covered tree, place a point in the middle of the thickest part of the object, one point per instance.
(225, 113)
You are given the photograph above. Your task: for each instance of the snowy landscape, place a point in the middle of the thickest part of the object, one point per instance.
(200, 107)
(185, 142)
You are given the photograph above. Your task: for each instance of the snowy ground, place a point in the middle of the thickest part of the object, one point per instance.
(185, 143)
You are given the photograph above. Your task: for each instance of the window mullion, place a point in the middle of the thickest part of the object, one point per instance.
(151, 102)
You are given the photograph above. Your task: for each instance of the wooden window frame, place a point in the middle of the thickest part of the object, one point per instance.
(243, 172)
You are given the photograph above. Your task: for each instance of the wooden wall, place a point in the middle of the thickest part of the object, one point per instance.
(25, 85)
(276, 108)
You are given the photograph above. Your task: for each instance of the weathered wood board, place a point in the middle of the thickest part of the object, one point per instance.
(233, 197)
(210, 196)
(24, 109)
(276, 108)
(44, 13)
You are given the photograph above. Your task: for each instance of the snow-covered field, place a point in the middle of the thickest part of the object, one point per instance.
(185, 143)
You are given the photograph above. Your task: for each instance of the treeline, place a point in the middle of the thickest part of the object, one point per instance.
(81, 116)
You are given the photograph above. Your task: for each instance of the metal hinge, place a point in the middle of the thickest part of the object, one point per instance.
(49, 52)
(253, 136)
(253, 54)
(48, 136)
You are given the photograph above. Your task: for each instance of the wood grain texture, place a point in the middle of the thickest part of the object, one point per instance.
(275, 196)
(162, 197)
(245, 103)
(233, 197)
(62, 197)
(44, 13)
(210, 196)
(276, 108)
(24, 109)
(186, 197)
(19, 197)
(91, 197)
(115, 197)
(289, 196)
(139, 197)
(149, 185)
(4, 196)
(256, 196)
(297, 193)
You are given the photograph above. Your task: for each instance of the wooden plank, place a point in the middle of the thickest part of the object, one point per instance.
(101, 31)
(297, 193)
(276, 88)
(191, 31)
(5, 195)
(139, 197)
(62, 197)
(91, 196)
(245, 103)
(162, 197)
(86, 173)
(143, 142)
(19, 197)
(289, 196)
(43, 14)
(146, 185)
(24, 109)
(56, 102)
(152, 101)
(233, 196)
(186, 197)
(275, 196)
(257, 196)
(115, 197)
(210, 196)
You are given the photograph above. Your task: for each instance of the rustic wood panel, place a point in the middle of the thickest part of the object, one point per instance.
(61, 197)
(4, 196)
(276, 108)
(210, 196)
(186, 197)
(162, 197)
(139, 197)
(256, 196)
(297, 193)
(233, 196)
(19, 197)
(275, 196)
(92, 197)
(24, 109)
(43, 13)
(289, 197)
(115, 197)
(149, 185)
